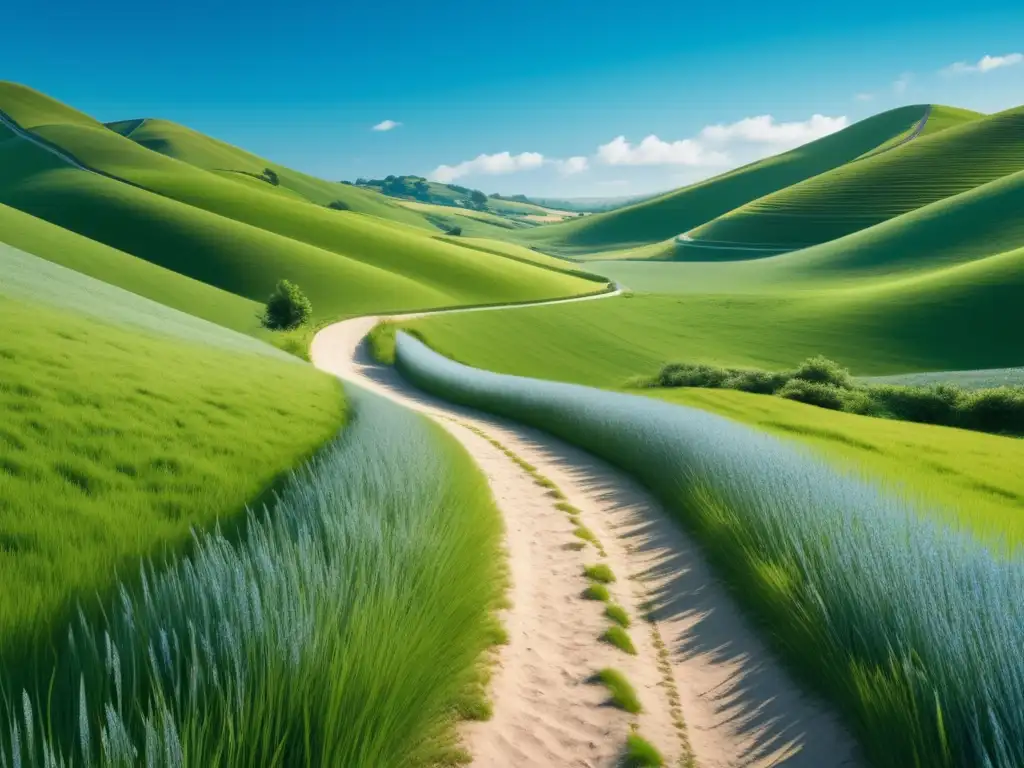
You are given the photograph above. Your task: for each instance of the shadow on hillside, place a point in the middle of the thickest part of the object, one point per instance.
(752, 699)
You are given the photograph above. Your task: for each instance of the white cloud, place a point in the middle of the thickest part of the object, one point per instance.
(864, 97)
(985, 64)
(764, 130)
(501, 162)
(654, 151)
(572, 165)
(713, 144)
(901, 83)
(386, 125)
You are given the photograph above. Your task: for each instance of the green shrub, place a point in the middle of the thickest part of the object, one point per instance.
(640, 753)
(929, 405)
(692, 375)
(620, 638)
(596, 592)
(455, 231)
(623, 694)
(617, 614)
(287, 307)
(821, 370)
(814, 393)
(339, 205)
(757, 382)
(993, 410)
(599, 573)
(585, 533)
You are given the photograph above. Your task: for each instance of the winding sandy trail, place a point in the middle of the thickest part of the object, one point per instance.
(739, 708)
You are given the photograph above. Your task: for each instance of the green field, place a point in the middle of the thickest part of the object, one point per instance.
(117, 439)
(962, 317)
(861, 194)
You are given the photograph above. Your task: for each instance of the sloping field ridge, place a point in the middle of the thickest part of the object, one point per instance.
(859, 195)
(846, 577)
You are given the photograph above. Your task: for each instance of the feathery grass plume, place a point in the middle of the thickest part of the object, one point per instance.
(622, 693)
(640, 753)
(343, 628)
(619, 637)
(617, 614)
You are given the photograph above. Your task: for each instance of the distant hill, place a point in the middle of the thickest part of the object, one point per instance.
(665, 217)
(587, 204)
(419, 189)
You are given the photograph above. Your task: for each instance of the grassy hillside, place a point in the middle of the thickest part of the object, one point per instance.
(974, 224)
(31, 109)
(671, 214)
(878, 188)
(244, 236)
(189, 146)
(117, 438)
(420, 190)
(64, 247)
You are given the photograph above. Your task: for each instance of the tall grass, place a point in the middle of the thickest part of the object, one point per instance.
(915, 630)
(341, 631)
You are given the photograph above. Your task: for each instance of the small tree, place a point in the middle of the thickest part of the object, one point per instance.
(287, 307)
(478, 199)
(271, 176)
(456, 230)
(339, 205)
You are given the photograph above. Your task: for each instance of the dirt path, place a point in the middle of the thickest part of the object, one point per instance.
(739, 709)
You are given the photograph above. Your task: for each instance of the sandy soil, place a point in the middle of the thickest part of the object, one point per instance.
(739, 707)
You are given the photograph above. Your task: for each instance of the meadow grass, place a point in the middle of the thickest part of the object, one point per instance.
(341, 629)
(968, 478)
(114, 444)
(640, 753)
(617, 636)
(621, 691)
(600, 573)
(957, 318)
(844, 576)
(617, 614)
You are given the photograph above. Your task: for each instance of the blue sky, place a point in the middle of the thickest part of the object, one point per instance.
(303, 83)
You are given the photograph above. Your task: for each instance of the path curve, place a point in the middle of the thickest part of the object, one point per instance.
(739, 707)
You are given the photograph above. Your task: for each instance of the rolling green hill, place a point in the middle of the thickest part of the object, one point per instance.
(861, 194)
(209, 154)
(671, 214)
(451, 196)
(975, 224)
(241, 234)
